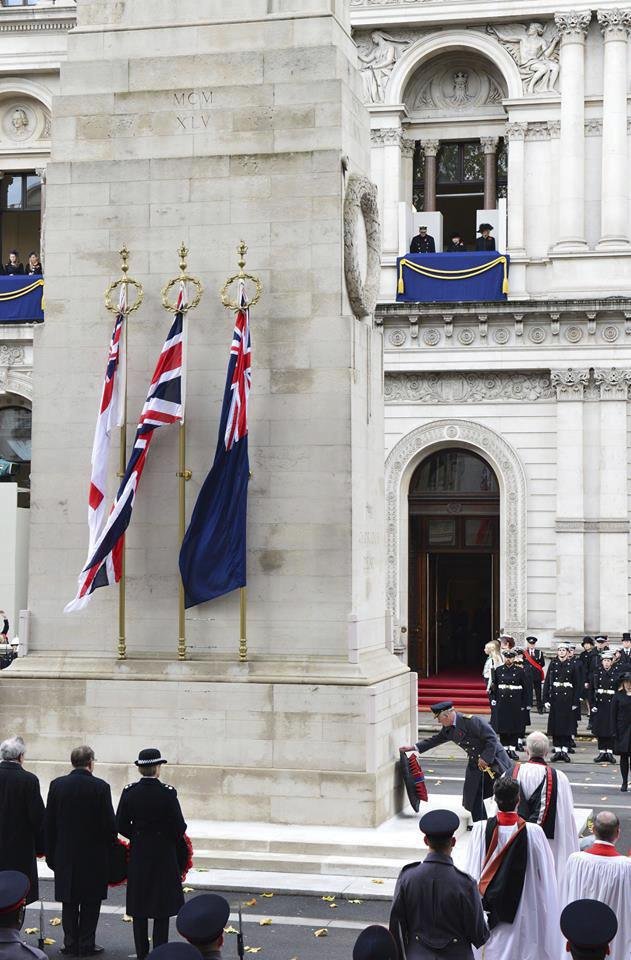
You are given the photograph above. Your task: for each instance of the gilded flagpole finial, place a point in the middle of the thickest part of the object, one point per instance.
(127, 282)
(242, 249)
(184, 277)
(183, 253)
(124, 255)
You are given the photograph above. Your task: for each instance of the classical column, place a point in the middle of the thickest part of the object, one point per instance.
(573, 28)
(388, 184)
(489, 146)
(430, 149)
(614, 233)
(515, 134)
(570, 523)
(613, 520)
(407, 170)
(41, 173)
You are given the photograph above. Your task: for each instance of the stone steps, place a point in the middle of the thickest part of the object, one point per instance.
(345, 866)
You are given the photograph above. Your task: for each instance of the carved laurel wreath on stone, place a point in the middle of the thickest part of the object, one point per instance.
(361, 197)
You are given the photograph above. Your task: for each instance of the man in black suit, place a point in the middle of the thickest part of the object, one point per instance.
(423, 243)
(482, 746)
(80, 833)
(485, 241)
(21, 815)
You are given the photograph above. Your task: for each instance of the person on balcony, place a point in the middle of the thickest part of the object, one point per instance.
(14, 267)
(456, 244)
(485, 241)
(423, 242)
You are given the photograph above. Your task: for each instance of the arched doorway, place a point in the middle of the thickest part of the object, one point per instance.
(454, 546)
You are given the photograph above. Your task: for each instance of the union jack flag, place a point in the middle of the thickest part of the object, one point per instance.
(237, 423)
(111, 413)
(164, 405)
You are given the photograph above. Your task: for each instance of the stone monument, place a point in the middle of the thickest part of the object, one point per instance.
(175, 122)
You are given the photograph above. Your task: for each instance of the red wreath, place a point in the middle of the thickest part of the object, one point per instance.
(184, 855)
(119, 858)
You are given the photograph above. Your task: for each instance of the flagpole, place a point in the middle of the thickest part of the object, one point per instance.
(183, 473)
(240, 278)
(125, 308)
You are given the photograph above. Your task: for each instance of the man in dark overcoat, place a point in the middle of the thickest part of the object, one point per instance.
(149, 815)
(562, 695)
(21, 815)
(482, 746)
(437, 909)
(509, 693)
(80, 833)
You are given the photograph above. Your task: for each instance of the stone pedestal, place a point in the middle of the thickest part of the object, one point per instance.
(208, 132)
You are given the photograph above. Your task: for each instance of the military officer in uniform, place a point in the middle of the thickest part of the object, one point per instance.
(509, 695)
(604, 686)
(589, 926)
(149, 815)
(480, 742)
(561, 694)
(423, 242)
(537, 661)
(485, 241)
(585, 658)
(176, 950)
(437, 909)
(375, 943)
(14, 889)
(201, 921)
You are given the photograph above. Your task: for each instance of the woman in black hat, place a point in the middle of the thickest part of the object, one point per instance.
(485, 241)
(621, 717)
(149, 815)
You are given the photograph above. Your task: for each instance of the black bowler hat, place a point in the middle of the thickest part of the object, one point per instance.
(176, 950)
(203, 918)
(485, 226)
(588, 923)
(625, 676)
(587, 640)
(149, 757)
(457, 234)
(626, 636)
(531, 639)
(14, 887)
(437, 708)
(439, 823)
(375, 943)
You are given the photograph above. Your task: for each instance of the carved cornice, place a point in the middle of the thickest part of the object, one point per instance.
(573, 25)
(476, 387)
(591, 526)
(386, 136)
(554, 126)
(37, 26)
(613, 382)
(539, 130)
(614, 24)
(570, 383)
(516, 131)
(430, 147)
(593, 128)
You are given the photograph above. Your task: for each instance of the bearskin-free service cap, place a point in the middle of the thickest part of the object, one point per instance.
(14, 887)
(375, 943)
(588, 923)
(531, 639)
(437, 708)
(203, 918)
(439, 823)
(149, 757)
(176, 950)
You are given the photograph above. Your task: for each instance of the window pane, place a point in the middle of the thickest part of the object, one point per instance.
(448, 163)
(502, 160)
(441, 533)
(15, 434)
(454, 471)
(12, 192)
(473, 162)
(33, 192)
(418, 163)
(480, 532)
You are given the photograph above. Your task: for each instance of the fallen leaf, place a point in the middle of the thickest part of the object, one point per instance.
(126, 918)
(202, 869)
(252, 949)
(376, 881)
(328, 899)
(32, 930)
(355, 901)
(267, 922)
(267, 894)
(187, 889)
(250, 903)
(322, 932)
(49, 941)
(55, 921)
(438, 783)
(333, 906)
(430, 771)
(230, 930)
(604, 798)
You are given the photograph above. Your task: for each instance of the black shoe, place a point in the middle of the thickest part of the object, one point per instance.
(92, 951)
(624, 788)
(556, 756)
(571, 749)
(540, 710)
(600, 758)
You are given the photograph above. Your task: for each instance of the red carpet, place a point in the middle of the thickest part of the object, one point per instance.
(465, 688)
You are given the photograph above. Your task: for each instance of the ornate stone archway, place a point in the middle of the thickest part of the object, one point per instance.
(400, 465)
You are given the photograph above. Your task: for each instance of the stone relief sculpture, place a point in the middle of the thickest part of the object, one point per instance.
(361, 199)
(534, 49)
(451, 84)
(378, 57)
(19, 121)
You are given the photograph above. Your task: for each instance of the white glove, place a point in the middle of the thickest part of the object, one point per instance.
(547, 706)
(594, 709)
(493, 703)
(575, 708)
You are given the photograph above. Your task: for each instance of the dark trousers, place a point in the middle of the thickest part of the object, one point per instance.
(79, 922)
(605, 743)
(509, 739)
(561, 741)
(536, 684)
(141, 934)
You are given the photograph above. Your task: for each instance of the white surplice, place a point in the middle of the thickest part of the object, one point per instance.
(607, 879)
(565, 840)
(534, 933)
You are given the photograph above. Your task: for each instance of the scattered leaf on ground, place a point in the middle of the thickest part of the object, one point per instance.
(126, 918)
(430, 771)
(322, 932)
(187, 889)
(32, 930)
(376, 881)
(604, 798)
(355, 901)
(55, 921)
(202, 869)
(328, 899)
(250, 903)
(49, 941)
(267, 894)
(252, 949)
(267, 922)
(333, 906)
(230, 930)
(438, 783)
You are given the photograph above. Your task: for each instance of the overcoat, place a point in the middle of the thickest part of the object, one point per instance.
(561, 691)
(80, 832)
(604, 683)
(149, 815)
(509, 688)
(621, 716)
(21, 823)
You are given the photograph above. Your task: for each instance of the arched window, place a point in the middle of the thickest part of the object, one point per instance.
(15, 449)
(456, 472)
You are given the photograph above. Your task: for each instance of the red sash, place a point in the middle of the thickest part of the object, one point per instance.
(602, 850)
(492, 864)
(533, 663)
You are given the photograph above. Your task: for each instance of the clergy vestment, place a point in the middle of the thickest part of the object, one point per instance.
(534, 933)
(601, 873)
(546, 799)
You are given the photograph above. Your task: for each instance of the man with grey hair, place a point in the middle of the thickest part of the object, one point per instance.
(545, 797)
(21, 815)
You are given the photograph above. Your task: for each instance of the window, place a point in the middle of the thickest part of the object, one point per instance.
(15, 450)
(21, 191)
(19, 3)
(459, 169)
(454, 471)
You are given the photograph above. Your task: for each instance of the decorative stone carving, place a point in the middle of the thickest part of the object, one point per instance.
(489, 144)
(430, 147)
(611, 333)
(613, 382)
(478, 387)
(516, 131)
(534, 48)
(593, 128)
(386, 136)
(361, 197)
(377, 57)
(11, 356)
(466, 336)
(407, 147)
(406, 454)
(554, 126)
(573, 334)
(537, 334)
(455, 85)
(431, 337)
(569, 384)
(501, 335)
(574, 24)
(397, 338)
(538, 130)
(614, 23)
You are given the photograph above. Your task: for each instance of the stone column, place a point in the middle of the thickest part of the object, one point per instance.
(614, 231)
(430, 149)
(489, 146)
(41, 173)
(389, 139)
(406, 189)
(516, 134)
(570, 524)
(573, 28)
(613, 521)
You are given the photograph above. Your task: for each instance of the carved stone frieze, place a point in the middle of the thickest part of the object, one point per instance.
(455, 85)
(554, 126)
(24, 119)
(593, 128)
(613, 382)
(574, 24)
(516, 131)
(474, 387)
(538, 130)
(614, 24)
(377, 53)
(569, 383)
(386, 136)
(11, 355)
(535, 49)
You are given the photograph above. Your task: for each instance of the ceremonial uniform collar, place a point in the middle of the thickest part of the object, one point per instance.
(10, 935)
(435, 857)
(603, 848)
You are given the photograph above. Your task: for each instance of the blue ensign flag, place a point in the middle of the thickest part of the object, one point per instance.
(212, 558)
